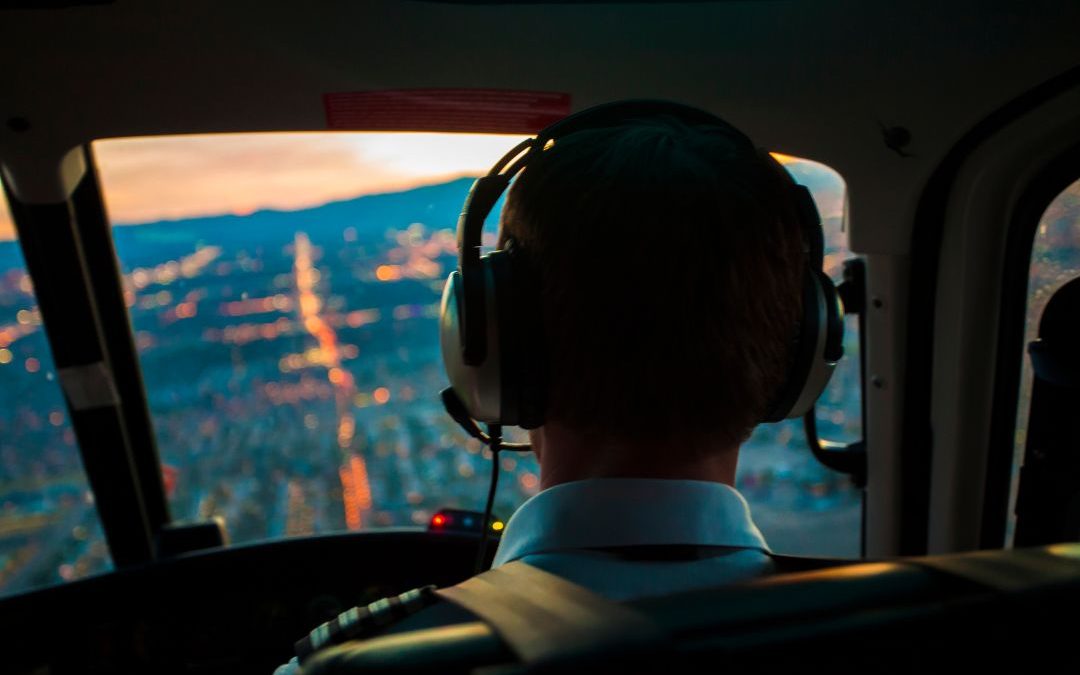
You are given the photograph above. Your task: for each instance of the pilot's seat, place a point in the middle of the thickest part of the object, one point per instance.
(918, 614)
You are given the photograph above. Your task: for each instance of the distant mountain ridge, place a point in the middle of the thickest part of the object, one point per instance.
(436, 206)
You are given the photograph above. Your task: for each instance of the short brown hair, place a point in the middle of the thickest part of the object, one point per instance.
(671, 275)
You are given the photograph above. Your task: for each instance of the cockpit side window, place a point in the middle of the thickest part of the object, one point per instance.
(49, 527)
(1055, 261)
(284, 291)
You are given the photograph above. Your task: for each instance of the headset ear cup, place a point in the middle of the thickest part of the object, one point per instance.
(477, 386)
(509, 386)
(818, 347)
(828, 345)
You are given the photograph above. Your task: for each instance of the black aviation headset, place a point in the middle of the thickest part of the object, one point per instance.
(488, 321)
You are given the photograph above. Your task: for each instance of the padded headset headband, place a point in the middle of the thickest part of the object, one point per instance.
(487, 190)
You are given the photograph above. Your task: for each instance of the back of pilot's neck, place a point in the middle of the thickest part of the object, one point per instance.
(567, 456)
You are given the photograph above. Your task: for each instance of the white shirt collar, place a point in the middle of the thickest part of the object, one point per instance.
(607, 512)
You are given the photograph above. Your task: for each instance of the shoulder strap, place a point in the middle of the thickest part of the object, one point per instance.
(545, 619)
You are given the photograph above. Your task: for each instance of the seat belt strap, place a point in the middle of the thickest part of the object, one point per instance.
(545, 619)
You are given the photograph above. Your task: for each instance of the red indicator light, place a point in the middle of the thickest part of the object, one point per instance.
(438, 520)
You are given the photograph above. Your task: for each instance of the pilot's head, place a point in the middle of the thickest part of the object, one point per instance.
(670, 286)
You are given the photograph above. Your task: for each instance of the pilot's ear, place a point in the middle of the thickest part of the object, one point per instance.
(505, 240)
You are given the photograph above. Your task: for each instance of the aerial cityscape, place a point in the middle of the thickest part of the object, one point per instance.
(292, 368)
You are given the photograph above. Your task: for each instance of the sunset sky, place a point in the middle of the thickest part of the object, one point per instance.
(167, 178)
(174, 177)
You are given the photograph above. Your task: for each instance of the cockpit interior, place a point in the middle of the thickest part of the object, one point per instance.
(224, 235)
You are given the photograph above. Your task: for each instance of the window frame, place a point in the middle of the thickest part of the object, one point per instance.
(911, 515)
(67, 248)
(1047, 184)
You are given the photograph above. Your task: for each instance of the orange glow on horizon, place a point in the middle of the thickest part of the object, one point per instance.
(155, 178)
(158, 178)
(173, 177)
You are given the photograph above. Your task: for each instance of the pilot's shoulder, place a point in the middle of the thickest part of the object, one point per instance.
(412, 610)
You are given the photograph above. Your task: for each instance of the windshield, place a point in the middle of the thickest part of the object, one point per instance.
(284, 291)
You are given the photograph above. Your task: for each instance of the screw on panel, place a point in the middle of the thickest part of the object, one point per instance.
(896, 139)
(18, 124)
